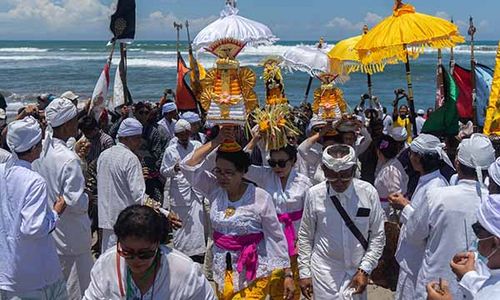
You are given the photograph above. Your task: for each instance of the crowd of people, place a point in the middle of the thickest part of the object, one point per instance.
(152, 203)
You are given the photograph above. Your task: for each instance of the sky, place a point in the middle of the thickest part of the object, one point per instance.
(289, 19)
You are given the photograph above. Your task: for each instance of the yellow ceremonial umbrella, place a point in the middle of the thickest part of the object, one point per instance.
(405, 34)
(344, 59)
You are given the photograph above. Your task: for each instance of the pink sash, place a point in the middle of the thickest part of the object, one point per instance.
(290, 235)
(247, 244)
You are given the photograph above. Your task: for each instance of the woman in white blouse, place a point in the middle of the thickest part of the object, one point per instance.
(391, 176)
(140, 267)
(288, 189)
(249, 243)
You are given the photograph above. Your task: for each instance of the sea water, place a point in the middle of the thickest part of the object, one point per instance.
(29, 68)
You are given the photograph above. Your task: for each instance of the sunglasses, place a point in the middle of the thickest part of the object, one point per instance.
(279, 163)
(140, 255)
(337, 179)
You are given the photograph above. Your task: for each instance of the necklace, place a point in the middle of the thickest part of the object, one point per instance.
(152, 270)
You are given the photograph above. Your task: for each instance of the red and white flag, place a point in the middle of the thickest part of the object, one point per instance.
(99, 96)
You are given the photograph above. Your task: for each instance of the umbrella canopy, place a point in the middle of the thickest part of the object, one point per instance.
(231, 25)
(312, 60)
(345, 59)
(406, 29)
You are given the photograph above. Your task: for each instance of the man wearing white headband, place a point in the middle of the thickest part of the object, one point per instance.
(335, 260)
(120, 180)
(29, 264)
(61, 168)
(195, 121)
(426, 156)
(441, 225)
(167, 123)
(185, 201)
(477, 283)
(494, 176)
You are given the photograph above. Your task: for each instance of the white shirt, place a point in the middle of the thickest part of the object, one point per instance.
(419, 120)
(28, 256)
(178, 278)
(166, 128)
(184, 201)
(254, 212)
(60, 167)
(288, 199)
(4, 155)
(120, 183)
(390, 178)
(410, 255)
(481, 287)
(439, 223)
(328, 251)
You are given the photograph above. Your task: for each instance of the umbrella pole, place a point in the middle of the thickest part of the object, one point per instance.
(370, 93)
(410, 94)
(308, 89)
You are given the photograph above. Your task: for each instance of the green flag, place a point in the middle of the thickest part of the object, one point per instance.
(444, 121)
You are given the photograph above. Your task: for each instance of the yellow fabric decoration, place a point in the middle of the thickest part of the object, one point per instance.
(275, 125)
(406, 31)
(492, 122)
(277, 283)
(257, 290)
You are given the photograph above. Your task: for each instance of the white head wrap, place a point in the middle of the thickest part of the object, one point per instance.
(476, 152)
(59, 112)
(23, 135)
(494, 171)
(181, 126)
(316, 121)
(168, 107)
(129, 127)
(341, 163)
(399, 134)
(488, 214)
(191, 117)
(427, 143)
(420, 112)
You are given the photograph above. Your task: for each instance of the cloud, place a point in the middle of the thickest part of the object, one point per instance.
(160, 24)
(344, 24)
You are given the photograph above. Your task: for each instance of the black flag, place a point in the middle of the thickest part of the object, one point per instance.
(123, 21)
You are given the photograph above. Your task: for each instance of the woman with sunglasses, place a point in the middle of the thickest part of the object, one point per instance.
(288, 188)
(390, 176)
(248, 240)
(141, 267)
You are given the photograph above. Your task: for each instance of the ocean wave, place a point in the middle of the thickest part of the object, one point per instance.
(63, 58)
(23, 49)
(148, 63)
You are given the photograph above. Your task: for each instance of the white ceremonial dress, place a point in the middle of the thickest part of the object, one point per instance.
(28, 255)
(178, 278)
(410, 254)
(60, 167)
(441, 224)
(288, 199)
(166, 128)
(254, 213)
(328, 251)
(120, 184)
(185, 202)
(4, 155)
(390, 178)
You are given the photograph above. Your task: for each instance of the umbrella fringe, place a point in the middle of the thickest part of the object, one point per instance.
(397, 52)
(348, 67)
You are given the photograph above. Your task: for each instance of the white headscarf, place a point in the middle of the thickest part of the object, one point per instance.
(494, 171)
(191, 117)
(427, 143)
(476, 152)
(59, 112)
(341, 163)
(168, 107)
(399, 134)
(22, 135)
(129, 127)
(488, 214)
(181, 126)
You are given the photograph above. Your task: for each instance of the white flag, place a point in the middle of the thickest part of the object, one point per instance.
(100, 93)
(118, 93)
